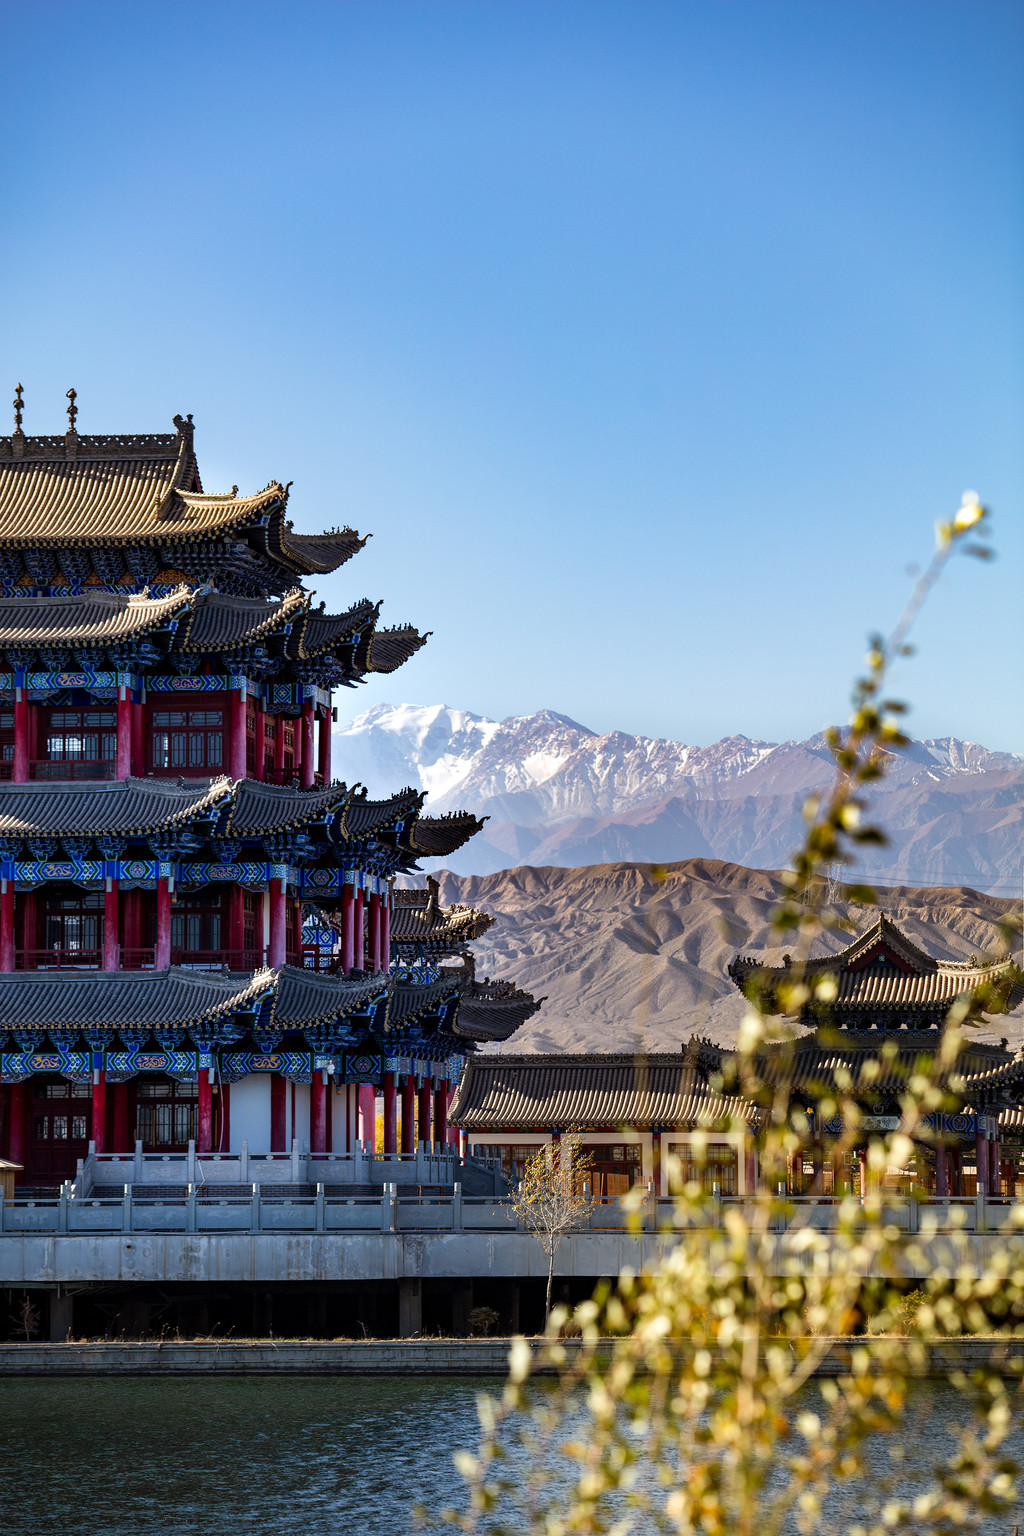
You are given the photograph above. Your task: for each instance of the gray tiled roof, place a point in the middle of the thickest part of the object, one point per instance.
(94, 618)
(525, 1093)
(125, 999)
(882, 969)
(98, 806)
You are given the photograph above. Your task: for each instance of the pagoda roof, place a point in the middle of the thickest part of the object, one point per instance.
(494, 1010)
(127, 999)
(309, 997)
(524, 1093)
(205, 621)
(820, 1061)
(417, 917)
(94, 618)
(95, 490)
(97, 807)
(884, 970)
(437, 836)
(244, 808)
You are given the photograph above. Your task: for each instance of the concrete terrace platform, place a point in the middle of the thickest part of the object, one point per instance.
(403, 1357)
(47, 1259)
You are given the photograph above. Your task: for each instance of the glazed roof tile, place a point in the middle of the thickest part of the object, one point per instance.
(320, 632)
(364, 817)
(390, 648)
(96, 807)
(94, 618)
(522, 1093)
(106, 490)
(125, 999)
(417, 917)
(494, 1013)
(261, 808)
(308, 997)
(218, 622)
(883, 969)
(438, 836)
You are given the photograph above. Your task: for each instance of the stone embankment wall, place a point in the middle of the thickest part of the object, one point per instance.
(396, 1357)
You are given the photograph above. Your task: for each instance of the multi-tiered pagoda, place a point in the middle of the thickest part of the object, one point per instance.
(171, 836)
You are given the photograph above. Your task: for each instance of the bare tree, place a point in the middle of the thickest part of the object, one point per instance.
(554, 1198)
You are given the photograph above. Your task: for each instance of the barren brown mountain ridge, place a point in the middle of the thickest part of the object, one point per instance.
(630, 962)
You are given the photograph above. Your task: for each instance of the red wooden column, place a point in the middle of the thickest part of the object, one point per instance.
(19, 767)
(941, 1170)
(408, 1113)
(236, 927)
(121, 1129)
(359, 936)
(257, 767)
(324, 747)
(278, 1108)
(204, 1141)
(29, 921)
(308, 745)
(297, 931)
(423, 1116)
(375, 964)
(138, 739)
(278, 941)
(7, 925)
(111, 947)
(994, 1187)
(124, 733)
(385, 932)
(16, 1128)
(318, 1112)
(348, 928)
(236, 733)
(99, 1104)
(390, 1126)
(162, 952)
(278, 748)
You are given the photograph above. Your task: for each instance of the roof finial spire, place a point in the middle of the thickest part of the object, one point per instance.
(19, 406)
(72, 409)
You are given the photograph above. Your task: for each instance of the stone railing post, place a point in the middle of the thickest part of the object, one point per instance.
(456, 1207)
(126, 1209)
(190, 1209)
(62, 1208)
(137, 1165)
(388, 1202)
(295, 1161)
(321, 1201)
(254, 1214)
(243, 1164)
(980, 1215)
(190, 1171)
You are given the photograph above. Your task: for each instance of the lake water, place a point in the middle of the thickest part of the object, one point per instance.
(343, 1456)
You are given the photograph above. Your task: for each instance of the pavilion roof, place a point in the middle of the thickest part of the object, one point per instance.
(873, 1063)
(309, 997)
(94, 490)
(417, 917)
(525, 1093)
(884, 971)
(126, 999)
(437, 836)
(97, 807)
(94, 618)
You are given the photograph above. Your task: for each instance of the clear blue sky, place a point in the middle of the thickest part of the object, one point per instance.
(648, 339)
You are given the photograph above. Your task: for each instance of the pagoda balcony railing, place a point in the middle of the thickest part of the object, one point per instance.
(218, 959)
(75, 768)
(58, 959)
(316, 959)
(285, 776)
(6, 770)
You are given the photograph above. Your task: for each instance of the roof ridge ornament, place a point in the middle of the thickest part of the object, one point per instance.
(72, 396)
(18, 436)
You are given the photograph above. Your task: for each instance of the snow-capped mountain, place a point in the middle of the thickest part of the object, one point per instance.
(559, 793)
